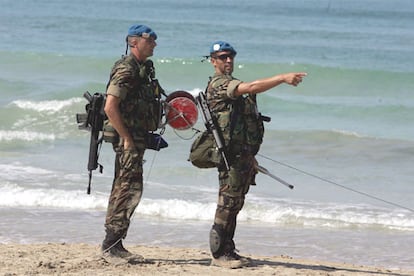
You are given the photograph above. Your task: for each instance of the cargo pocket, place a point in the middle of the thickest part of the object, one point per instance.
(131, 161)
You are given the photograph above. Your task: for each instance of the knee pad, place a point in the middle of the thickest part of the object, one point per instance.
(217, 240)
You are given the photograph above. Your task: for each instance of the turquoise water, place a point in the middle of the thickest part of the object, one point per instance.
(344, 138)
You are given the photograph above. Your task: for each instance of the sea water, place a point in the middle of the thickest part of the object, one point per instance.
(344, 138)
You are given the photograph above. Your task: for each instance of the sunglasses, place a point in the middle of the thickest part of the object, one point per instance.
(224, 57)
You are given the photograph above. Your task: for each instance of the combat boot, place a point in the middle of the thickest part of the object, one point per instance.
(230, 260)
(114, 252)
(228, 257)
(120, 251)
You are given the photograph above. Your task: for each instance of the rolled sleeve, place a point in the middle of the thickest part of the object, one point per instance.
(117, 91)
(120, 83)
(231, 88)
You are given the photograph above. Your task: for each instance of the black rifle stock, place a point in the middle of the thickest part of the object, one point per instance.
(210, 123)
(93, 122)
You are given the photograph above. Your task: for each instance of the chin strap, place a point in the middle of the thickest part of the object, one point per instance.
(126, 47)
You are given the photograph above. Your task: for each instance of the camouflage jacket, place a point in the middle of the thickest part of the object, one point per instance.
(237, 117)
(139, 93)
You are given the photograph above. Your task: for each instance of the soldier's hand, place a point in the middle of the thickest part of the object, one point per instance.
(129, 144)
(294, 78)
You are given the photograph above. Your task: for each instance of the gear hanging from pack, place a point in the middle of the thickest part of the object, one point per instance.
(181, 110)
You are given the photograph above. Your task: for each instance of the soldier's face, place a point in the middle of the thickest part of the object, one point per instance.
(146, 46)
(223, 62)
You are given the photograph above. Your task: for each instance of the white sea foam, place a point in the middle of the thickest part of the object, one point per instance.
(303, 214)
(21, 170)
(310, 214)
(24, 135)
(51, 106)
(12, 195)
(349, 133)
(177, 209)
(195, 91)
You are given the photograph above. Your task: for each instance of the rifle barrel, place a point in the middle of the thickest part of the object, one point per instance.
(266, 172)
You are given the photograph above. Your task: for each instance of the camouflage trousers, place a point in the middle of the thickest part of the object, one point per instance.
(234, 185)
(126, 191)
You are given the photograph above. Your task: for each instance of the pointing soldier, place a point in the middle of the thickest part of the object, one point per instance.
(233, 103)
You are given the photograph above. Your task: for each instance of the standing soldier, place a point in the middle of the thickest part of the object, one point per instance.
(233, 103)
(133, 109)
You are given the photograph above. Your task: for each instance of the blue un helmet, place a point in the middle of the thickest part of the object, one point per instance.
(219, 46)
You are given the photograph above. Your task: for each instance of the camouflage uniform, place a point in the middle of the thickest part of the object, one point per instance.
(242, 129)
(139, 106)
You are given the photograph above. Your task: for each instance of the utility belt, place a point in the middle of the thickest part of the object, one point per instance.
(142, 140)
(110, 135)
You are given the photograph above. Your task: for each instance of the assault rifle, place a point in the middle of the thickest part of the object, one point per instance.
(210, 123)
(93, 121)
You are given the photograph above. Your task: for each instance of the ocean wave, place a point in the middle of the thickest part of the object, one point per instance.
(311, 214)
(12, 195)
(20, 170)
(49, 106)
(46, 120)
(350, 133)
(177, 209)
(278, 212)
(24, 135)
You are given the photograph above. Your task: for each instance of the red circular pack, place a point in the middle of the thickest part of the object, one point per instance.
(182, 110)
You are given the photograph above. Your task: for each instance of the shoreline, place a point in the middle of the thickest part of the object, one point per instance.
(85, 259)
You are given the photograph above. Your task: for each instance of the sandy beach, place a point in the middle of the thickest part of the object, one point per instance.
(85, 259)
